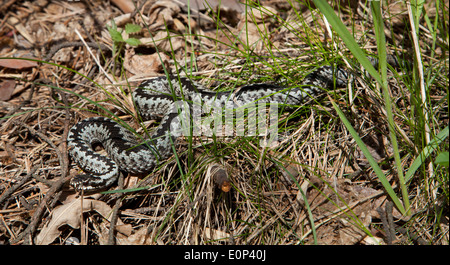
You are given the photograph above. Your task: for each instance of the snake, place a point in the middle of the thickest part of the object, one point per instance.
(156, 99)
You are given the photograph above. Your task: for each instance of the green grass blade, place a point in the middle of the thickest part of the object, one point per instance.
(348, 39)
(382, 64)
(359, 54)
(387, 186)
(425, 153)
(442, 159)
(305, 199)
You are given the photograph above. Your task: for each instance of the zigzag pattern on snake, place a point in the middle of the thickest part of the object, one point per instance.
(155, 98)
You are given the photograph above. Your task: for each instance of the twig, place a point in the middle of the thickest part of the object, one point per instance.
(36, 219)
(388, 222)
(414, 237)
(40, 135)
(19, 184)
(421, 81)
(60, 46)
(25, 102)
(94, 57)
(390, 227)
(114, 217)
(50, 197)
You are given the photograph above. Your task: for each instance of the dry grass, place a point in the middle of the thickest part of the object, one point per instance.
(314, 187)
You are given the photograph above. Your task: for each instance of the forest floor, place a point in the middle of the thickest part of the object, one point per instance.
(315, 186)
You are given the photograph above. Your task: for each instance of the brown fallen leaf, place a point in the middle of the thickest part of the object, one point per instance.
(145, 65)
(17, 63)
(6, 89)
(214, 234)
(140, 237)
(164, 40)
(250, 33)
(162, 14)
(126, 6)
(202, 5)
(69, 214)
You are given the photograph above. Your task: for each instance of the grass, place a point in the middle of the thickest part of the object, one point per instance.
(314, 187)
(401, 201)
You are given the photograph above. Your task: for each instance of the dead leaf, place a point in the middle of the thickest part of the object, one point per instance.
(145, 65)
(373, 240)
(22, 30)
(179, 26)
(5, 158)
(164, 41)
(250, 32)
(202, 5)
(69, 214)
(126, 6)
(162, 14)
(6, 89)
(214, 234)
(260, 14)
(17, 63)
(140, 237)
(349, 234)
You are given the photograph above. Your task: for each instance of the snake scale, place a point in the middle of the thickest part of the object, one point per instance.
(154, 99)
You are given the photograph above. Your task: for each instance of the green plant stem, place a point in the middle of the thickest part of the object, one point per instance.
(350, 42)
(381, 47)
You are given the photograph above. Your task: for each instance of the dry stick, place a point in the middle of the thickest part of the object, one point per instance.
(421, 81)
(30, 174)
(36, 219)
(114, 217)
(88, 45)
(40, 135)
(86, 31)
(390, 227)
(91, 44)
(413, 236)
(340, 211)
(138, 9)
(19, 184)
(60, 46)
(390, 221)
(56, 186)
(421, 74)
(82, 230)
(386, 219)
(25, 102)
(64, 165)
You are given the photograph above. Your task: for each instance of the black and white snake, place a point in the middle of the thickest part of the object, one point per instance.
(155, 99)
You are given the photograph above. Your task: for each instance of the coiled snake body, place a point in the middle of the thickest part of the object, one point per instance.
(155, 98)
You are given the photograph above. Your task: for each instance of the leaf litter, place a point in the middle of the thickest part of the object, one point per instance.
(70, 214)
(166, 208)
